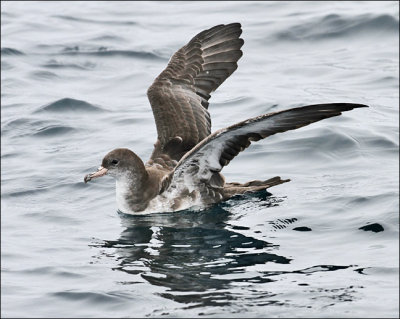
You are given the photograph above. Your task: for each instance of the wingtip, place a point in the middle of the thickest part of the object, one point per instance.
(238, 24)
(349, 106)
(356, 105)
(352, 106)
(341, 107)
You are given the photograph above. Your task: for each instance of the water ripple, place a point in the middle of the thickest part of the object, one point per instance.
(336, 26)
(91, 297)
(11, 51)
(43, 75)
(102, 22)
(54, 64)
(53, 130)
(69, 105)
(105, 52)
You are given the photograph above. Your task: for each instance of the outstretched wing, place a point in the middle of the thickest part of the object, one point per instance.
(179, 95)
(200, 167)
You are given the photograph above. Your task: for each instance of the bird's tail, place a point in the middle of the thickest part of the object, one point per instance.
(232, 189)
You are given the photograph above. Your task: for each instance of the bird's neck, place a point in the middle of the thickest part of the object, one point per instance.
(131, 191)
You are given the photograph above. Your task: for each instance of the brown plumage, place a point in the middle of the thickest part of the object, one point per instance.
(185, 167)
(179, 95)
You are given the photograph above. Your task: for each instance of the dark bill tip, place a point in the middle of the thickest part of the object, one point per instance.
(100, 172)
(87, 178)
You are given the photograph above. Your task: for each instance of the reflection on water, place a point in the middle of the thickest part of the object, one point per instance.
(191, 251)
(198, 255)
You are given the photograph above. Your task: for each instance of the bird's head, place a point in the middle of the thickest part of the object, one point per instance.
(118, 163)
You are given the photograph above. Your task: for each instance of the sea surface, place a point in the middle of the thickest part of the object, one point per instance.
(74, 77)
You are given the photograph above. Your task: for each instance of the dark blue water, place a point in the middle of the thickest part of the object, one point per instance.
(74, 77)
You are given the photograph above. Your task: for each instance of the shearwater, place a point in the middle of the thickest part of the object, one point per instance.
(184, 169)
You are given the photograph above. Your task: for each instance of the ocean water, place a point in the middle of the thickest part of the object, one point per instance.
(74, 77)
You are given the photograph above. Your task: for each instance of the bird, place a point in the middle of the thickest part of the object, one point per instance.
(184, 169)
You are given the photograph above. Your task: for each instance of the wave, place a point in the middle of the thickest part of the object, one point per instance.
(30, 127)
(21, 126)
(105, 52)
(53, 130)
(234, 102)
(7, 14)
(90, 297)
(324, 140)
(11, 51)
(24, 193)
(108, 38)
(43, 75)
(6, 66)
(336, 26)
(85, 20)
(52, 271)
(69, 105)
(9, 155)
(380, 142)
(54, 64)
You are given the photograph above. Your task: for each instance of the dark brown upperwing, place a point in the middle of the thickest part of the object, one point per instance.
(278, 122)
(204, 162)
(179, 95)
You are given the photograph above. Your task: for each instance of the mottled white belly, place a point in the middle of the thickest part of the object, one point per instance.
(167, 202)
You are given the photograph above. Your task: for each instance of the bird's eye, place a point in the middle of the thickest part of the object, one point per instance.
(114, 162)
